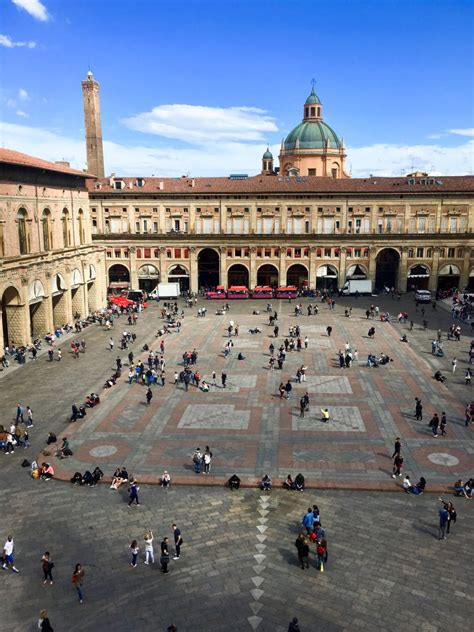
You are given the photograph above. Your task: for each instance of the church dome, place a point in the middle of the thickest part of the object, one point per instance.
(312, 135)
(313, 99)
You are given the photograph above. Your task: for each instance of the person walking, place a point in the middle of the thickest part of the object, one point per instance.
(397, 448)
(19, 413)
(60, 355)
(223, 379)
(442, 424)
(308, 520)
(178, 541)
(397, 466)
(135, 550)
(322, 553)
(418, 409)
(134, 489)
(44, 623)
(8, 557)
(293, 626)
(78, 580)
(206, 459)
(29, 417)
(467, 415)
(165, 556)
(300, 540)
(443, 523)
(149, 395)
(452, 515)
(454, 364)
(468, 376)
(329, 330)
(48, 566)
(288, 388)
(302, 406)
(434, 423)
(111, 344)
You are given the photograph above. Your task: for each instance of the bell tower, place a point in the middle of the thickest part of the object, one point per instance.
(93, 127)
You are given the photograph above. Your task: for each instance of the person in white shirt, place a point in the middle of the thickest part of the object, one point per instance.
(8, 559)
(149, 554)
(406, 483)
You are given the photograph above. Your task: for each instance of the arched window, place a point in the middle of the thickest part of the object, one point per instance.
(23, 237)
(319, 111)
(82, 232)
(47, 232)
(66, 231)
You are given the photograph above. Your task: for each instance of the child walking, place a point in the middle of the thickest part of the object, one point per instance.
(135, 550)
(149, 554)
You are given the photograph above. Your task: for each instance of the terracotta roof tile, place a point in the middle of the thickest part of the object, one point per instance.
(281, 184)
(9, 156)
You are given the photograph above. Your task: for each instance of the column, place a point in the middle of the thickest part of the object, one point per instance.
(282, 271)
(133, 267)
(193, 271)
(439, 216)
(192, 219)
(253, 219)
(434, 270)
(372, 263)
(77, 301)
(253, 267)
(163, 266)
(223, 266)
(403, 270)
(342, 266)
(312, 268)
(464, 278)
(62, 312)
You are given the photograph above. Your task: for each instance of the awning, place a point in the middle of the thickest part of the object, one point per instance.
(356, 272)
(419, 272)
(449, 270)
(326, 272)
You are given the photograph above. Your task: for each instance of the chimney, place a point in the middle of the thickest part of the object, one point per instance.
(192, 182)
(161, 185)
(63, 163)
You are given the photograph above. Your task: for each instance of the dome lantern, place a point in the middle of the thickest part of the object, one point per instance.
(267, 162)
(313, 110)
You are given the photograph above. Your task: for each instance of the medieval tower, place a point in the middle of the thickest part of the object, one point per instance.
(95, 152)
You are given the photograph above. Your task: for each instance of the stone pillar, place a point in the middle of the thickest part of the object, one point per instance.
(253, 267)
(282, 271)
(223, 266)
(133, 268)
(342, 267)
(372, 263)
(434, 270)
(223, 218)
(163, 266)
(284, 218)
(312, 268)
(62, 309)
(253, 219)
(77, 301)
(193, 271)
(403, 270)
(41, 318)
(17, 324)
(464, 278)
(439, 216)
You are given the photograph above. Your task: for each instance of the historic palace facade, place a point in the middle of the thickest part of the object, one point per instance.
(49, 267)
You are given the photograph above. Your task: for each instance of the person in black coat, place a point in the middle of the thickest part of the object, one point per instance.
(293, 625)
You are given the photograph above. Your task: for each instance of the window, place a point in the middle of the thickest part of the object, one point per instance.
(139, 253)
(117, 253)
(289, 252)
(147, 253)
(318, 252)
(334, 172)
(419, 252)
(319, 111)
(66, 232)
(313, 111)
(137, 227)
(451, 253)
(118, 184)
(429, 253)
(177, 225)
(156, 253)
(47, 234)
(23, 236)
(109, 254)
(82, 232)
(297, 253)
(358, 225)
(311, 172)
(168, 253)
(145, 225)
(238, 252)
(327, 252)
(453, 224)
(441, 253)
(421, 224)
(357, 252)
(155, 227)
(140, 182)
(306, 226)
(460, 253)
(410, 253)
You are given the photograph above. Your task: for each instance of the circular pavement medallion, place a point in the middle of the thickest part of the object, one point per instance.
(442, 458)
(103, 451)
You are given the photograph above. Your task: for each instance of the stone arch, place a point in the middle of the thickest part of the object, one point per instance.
(118, 275)
(449, 276)
(179, 274)
(297, 274)
(13, 317)
(418, 277)
(208, 261)
(357, 271)
(238, 274)
(267, 274)
(327, 277)
(148, 277)
(335, 169)
(387, 265)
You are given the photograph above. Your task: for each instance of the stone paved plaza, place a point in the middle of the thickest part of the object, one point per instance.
(238, 569)
(249, 428)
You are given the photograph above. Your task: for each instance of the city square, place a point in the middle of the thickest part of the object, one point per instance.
(236, 316)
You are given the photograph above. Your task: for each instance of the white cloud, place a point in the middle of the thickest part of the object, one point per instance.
(22, 114)
(199, 124)
(466, 131)
(225, 157)
(34, 7)
(23, 95)
(7, 42)
(393, 160)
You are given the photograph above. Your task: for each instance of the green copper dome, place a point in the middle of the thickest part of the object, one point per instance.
(312, 135)
(267, 155)
(313, 99)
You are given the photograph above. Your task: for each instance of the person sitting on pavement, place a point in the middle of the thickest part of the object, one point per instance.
(419, 488)
(204, 386)
(97, 474)
(406, 484)
(266, 483)
(47, 471)
(51, 438)
(299, 482)
(289, 483)
(165, 480)
(76, 479)
(439, 377)
(119, 478)
(234, 482)
(87, 478)
(64, 451)
(325, 416)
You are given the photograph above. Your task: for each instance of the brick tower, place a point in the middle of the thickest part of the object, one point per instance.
(95, 152)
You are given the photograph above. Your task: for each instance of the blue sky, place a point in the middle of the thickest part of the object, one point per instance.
(202, 86)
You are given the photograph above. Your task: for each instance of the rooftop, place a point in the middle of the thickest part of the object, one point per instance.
(11, 157)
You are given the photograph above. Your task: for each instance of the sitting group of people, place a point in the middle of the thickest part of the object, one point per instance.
(464, 489)
(45, 472)
(112, 380)
(439, 377)
(266, 483)
(417, 489)
(294, 484)
(374, 361)
(119, 478)
(92, 400)
(88, 478)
